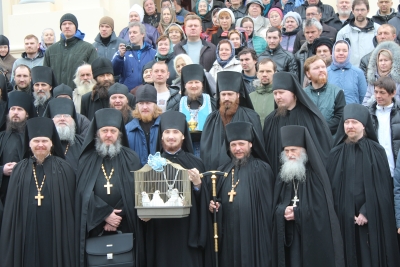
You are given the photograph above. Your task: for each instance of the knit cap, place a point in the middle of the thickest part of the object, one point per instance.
(107, 20)
(69, 17)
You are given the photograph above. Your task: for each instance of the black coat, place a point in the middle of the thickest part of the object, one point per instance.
(301, 56)
(394, 125)
(216, 37)
(207, 53)
(327, 31)
(327, 10)
(336, 23)
(284, 60)
(383, 19)
(365, 59)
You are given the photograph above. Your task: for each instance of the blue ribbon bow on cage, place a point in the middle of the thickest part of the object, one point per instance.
(156, 162)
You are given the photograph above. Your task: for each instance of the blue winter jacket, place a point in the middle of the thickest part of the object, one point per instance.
(137, 139)
(151, 34)
(131, 65)
(351, 79)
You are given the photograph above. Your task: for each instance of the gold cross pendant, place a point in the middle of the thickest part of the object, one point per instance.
(108, 185)
(231, 194)
(39, 198)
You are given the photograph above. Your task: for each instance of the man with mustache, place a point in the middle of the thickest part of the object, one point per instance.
(43, 82)
(62, 112)
(20, 108)
(98, 98)
(294, 107)
(302, 183)
(118, 95)
(142, 131)
(233, 104)
(84, 82)
(362, 189)
(105, 190)
(327, 97)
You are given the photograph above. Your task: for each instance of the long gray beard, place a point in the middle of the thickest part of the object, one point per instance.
(67, 133)
(344, 13)
(40, 100)
(84, 88)
(108, 150)
(293, 169)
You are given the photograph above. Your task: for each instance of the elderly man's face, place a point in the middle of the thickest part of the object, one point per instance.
(85, 74)
(108, 135)
(63, 120)
(311, 33)
(293, 152)
(240, 148)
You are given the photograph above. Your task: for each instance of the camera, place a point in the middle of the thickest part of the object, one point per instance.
(130, 47)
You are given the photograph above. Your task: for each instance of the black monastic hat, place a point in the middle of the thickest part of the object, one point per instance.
(231, 81)
(42, 127)
(62, 89)
(175, 120)
(293, 135)
(194, 72)
(146, 93)
(21, 99)
(43, 74)
(118, 88)
(101, 66)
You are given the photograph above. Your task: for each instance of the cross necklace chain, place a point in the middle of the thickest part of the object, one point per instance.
(39, 196)
(232, 193)
(295, 199)
(108, 178)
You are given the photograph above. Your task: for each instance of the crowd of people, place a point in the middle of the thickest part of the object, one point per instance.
(296, 104)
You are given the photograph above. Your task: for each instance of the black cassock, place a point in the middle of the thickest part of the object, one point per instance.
(94, 205)
(212, 145)
(244, 225)
(73, 152)
(361, 183)
(312, 119)
(33, 235)
(312, 239)
(184, 241)
(11, 150)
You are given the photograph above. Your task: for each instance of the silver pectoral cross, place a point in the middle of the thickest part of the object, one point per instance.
(295, 200)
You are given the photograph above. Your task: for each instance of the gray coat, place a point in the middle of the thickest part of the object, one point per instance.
(372, 71)
(107, 51)
(30, 62)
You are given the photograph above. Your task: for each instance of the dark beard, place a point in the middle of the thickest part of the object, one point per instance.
(102, 89)
(227, 111)
(126, 111)
(240, 162)
(281, 112)
(15, 126)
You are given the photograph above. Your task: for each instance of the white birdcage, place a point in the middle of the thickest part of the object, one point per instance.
(162, 194)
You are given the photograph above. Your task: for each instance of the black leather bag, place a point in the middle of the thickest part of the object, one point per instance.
(110, 250)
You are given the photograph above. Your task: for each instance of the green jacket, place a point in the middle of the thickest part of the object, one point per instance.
(65, 56)
(263, 100)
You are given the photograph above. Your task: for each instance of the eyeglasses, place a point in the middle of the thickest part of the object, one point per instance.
(65, 116)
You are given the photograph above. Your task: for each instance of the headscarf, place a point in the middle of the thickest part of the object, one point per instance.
(166, 32)
(334, 62)
(162, 25)
(242, 29)
(170, 52)
(197, 9)
(221, 62)
(185, 58)
(4, 41)
(43, 45)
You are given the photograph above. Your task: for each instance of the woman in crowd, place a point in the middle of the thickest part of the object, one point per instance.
(255, 10)
(226, 21)
(225, 59)
(290, 27)
(181, 61)
(175, 33)
(238, 40)
(237, 8)
(275, 17)
(165, 52)
(6, 59)
(346, 76)
(253, 41)
(203, 11)
(151, 16)
(384, 61)
(47, 39)
(168, 16)
(212, 30)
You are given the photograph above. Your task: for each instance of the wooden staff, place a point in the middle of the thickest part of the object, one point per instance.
(214, 195)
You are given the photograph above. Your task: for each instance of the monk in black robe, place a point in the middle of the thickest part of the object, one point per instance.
(233, 104)
(3, 102)
(183, 241)
(43, 81)
(20, 108)
(246, 197)
(294, 107)
(363, 192)
(107, 161)
(38, 223)
(306, 229)
(62, 111)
